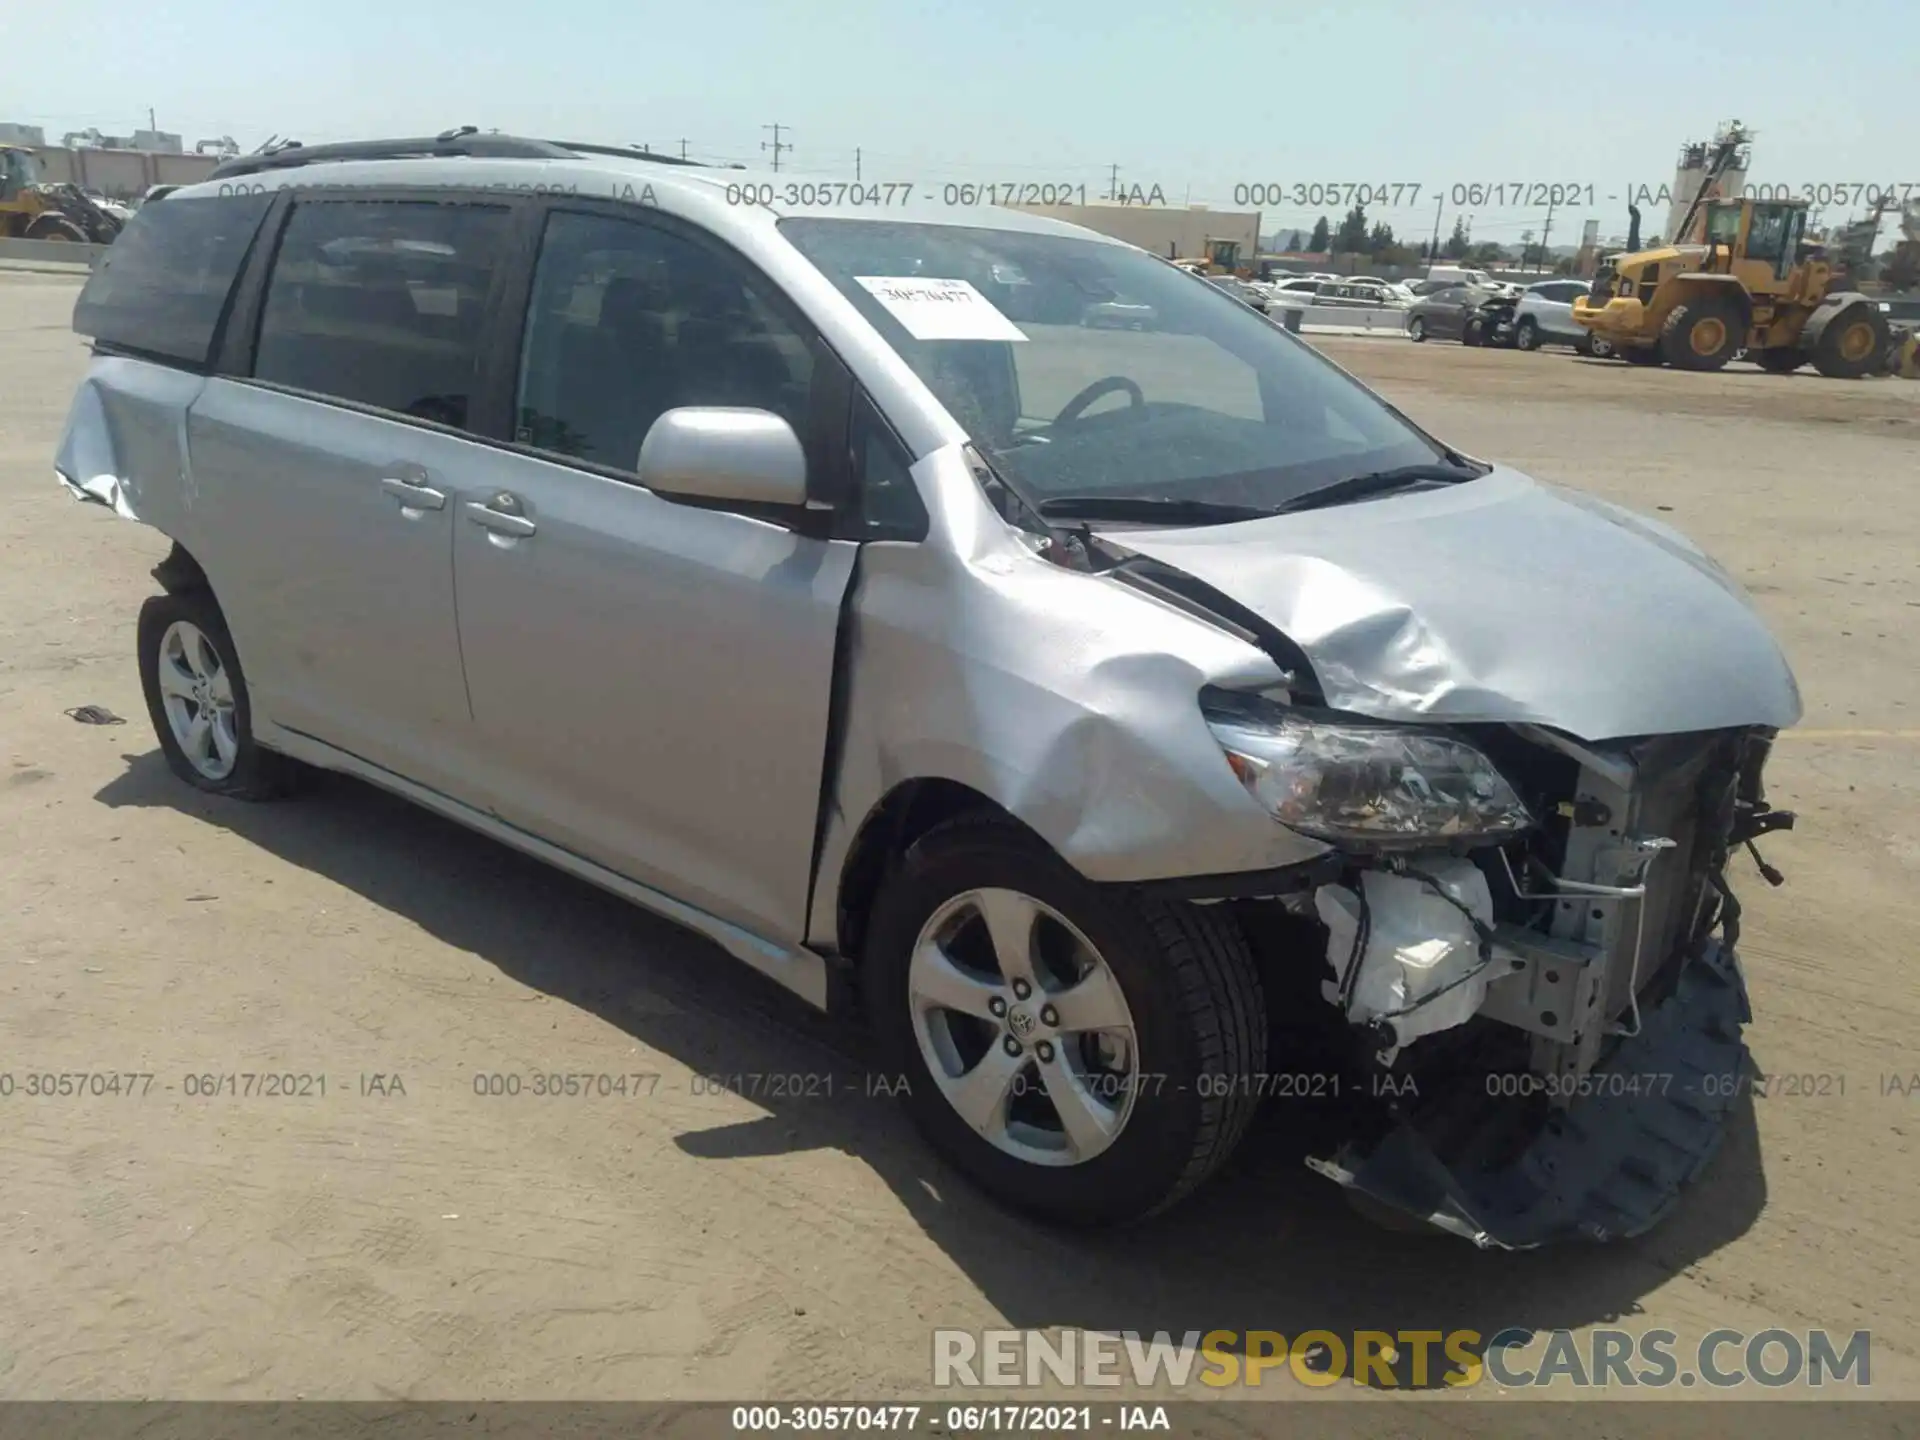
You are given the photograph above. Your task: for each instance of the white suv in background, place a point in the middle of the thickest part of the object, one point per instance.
(1544, 316)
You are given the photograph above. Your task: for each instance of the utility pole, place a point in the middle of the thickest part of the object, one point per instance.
(1113, 182)
(856, 164)
(1547, 232)
(683, 149)
(776, 145)
(150, 124)
(1433, 250)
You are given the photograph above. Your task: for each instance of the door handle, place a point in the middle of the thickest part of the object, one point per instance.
(414, 494)
(498, 521)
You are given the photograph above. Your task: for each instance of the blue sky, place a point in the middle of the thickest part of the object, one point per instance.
(1195, 97)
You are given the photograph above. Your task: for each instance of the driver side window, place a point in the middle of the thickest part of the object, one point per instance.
(627, 321)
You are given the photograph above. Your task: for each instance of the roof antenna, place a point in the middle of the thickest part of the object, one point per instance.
(446, 136)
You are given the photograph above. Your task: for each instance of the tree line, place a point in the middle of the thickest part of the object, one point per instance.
(1355, 235)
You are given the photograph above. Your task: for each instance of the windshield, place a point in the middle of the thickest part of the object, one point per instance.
(1081, 367)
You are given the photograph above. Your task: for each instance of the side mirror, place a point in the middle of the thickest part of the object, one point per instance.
(724, 453)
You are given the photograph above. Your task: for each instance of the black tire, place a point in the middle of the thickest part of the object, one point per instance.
(1782, 360)
(1852, 344)
(1526, 335)
(55, 227)
(1190, 986)
(1702, 334)
(257, 773)
(1473, 332)
(1648, 355)
(1417, 329)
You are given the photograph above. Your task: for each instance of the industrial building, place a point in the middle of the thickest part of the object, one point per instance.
(121, 167)
(1179, 232)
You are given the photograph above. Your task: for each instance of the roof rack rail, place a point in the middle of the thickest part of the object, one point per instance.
(466, 140)
(630, 151)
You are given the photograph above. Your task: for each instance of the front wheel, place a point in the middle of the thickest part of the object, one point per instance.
(197, 699)
(1527, 335)
(1084, 1053)
(1852, 343)
(1473, 333)
(1702, 334)
(1417, 329)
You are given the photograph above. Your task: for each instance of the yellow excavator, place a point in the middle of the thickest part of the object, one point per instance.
(31, 208)
(1737, 275)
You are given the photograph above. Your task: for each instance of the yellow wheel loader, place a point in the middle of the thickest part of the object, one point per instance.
(31, 208)
(1742, 279)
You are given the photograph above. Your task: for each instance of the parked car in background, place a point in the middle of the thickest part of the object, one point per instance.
(1544, 316)
(1459, 275)
(1119, 315)
(1471, 314)
(1240, 290)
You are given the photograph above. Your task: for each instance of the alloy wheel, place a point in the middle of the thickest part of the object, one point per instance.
(1023, 1027)
(198, 696)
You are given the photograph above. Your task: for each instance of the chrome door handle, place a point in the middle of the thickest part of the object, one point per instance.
(498, 521)
(414, 494)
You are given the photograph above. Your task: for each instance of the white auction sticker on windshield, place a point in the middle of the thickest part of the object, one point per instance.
(940, 309)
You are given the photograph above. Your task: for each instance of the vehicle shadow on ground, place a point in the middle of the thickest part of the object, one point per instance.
(1266, 1245)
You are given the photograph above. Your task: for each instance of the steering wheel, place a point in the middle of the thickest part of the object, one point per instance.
(1077, 406)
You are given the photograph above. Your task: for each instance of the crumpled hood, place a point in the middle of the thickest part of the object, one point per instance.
(1500, 599)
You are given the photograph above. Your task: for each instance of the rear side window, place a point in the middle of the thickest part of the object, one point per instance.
(384, 303)
(163, 285)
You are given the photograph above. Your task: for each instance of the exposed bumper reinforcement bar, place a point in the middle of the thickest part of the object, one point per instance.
(1614, 1162)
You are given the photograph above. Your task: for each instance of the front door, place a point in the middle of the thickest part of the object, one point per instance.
(650, 679)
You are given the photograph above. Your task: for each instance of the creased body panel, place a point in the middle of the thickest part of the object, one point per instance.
(1069, 699)
(1501, 600)
(125, 442)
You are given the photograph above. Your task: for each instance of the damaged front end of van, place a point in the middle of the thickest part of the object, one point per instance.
(1530, 730)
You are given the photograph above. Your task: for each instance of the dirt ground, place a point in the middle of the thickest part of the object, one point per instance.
(404, 1236)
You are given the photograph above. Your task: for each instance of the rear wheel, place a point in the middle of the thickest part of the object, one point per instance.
(197, 699)
(1782, 360)
(1851, 344)
(1474, 332)
(1702, 334)
(1527, 335)
(1080, 1052)
(1417, 329)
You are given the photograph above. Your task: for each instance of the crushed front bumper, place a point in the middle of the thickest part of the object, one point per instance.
(1610, 1165)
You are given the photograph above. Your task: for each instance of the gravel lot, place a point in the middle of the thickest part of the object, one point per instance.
(440, 1243)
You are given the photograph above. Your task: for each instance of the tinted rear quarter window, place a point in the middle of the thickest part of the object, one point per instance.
(163, 286)
(382, 302)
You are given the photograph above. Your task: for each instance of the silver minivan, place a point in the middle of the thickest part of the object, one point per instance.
(1133, 724)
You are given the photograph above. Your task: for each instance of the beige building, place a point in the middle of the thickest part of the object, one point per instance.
(1179, 232)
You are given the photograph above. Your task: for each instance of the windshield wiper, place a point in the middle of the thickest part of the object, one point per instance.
(1378, 482)
(1154, 509)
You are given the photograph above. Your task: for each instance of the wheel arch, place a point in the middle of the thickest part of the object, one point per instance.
(181, 574)
(900, 817)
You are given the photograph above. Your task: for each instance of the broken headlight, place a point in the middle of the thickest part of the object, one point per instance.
(1349, 782)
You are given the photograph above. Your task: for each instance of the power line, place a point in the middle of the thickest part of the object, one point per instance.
(776, 145)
